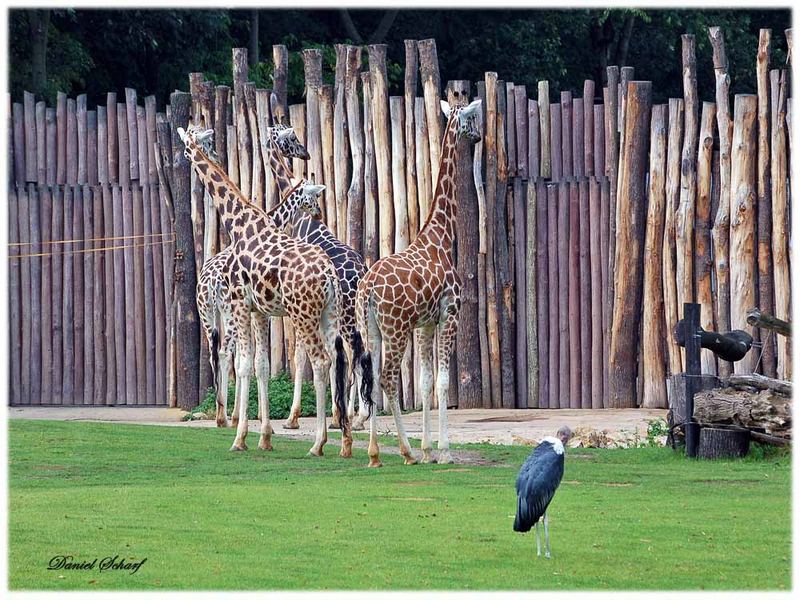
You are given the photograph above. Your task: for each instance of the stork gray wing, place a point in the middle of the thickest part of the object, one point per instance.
(537, 482)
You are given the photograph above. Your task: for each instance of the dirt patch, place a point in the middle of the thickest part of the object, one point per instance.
(50, 467)
(416, 483)
(727, 481)
(617, 484)
(517, 418)
(571, 482)
(408, 498)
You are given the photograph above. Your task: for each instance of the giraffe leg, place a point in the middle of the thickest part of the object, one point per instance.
(261, 334)
(334, 424)
(223, 370)
(445, 341)
(320, 364)
(244, 367)
(374, 346)
(392, 359)
(299, 367)
(425, 345)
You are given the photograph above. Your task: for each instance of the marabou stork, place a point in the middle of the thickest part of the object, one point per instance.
(537, 482)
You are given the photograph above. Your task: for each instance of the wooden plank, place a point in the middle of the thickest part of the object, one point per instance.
(553, 351)
(112, 128)
(150, 128)
(341, 144)
(630, 238)
(596, 310)
(14, 297)
(142, 151)
(68, 306)
(521, 127)
(51, 145)
(41, 152)
(411, 75)
(370, 178)
(123, 336)
(19, 143)
(423, 168)
(588, 128)
(585, 293)
(401, 228)
(72, 142)
(133, 135)
(702, 234)
(34, 210)
(243, 143)
(61, 128)
(611, 102)
(221, 107)
(574, 298)
(779, 170)
(684, 222)
(46, 295)
(148, 244)
(257, 169)
(123, 147)
(380, 119)
(534, 144)
(29, 110)
(80, 115)
(108, 326)
(544, 128)
(24, 228)
(355, 131)
(562, 298)
(137, 251)
(556, 164)
(490, 142)
(538, 306)
(159, 315)
(654, 330)
(672, 191)
(566, 134)
(87, 260)
(91, 147)
(431, 86)
(605, 201)
(280, 74)
(128, 217)
(577, 137)
(78, 297)
(523, 270)
(312, 67)
(599, 141)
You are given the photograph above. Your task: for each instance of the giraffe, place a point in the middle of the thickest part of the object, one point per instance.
(419, 290)
(213, 298)
(272, 274)
(350, 268)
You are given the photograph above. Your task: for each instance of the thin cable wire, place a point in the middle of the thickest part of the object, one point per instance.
(100, 239)
(86, 250)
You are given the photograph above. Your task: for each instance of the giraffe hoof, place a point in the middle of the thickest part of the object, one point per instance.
(409, 460)
(427, 458)
(346, 453)
(222, 422)
(264, 445)
(236, 448)
(445, 458)
(291, 424)
(358, 425)
(334, 425)
(374, 463)
(315, 452)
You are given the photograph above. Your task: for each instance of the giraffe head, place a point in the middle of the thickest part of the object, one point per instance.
(466, 119)
(286, 140)
(305, 197)
(197, 142)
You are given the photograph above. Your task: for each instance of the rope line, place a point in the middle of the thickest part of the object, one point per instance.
(100, 239)
(87, 250)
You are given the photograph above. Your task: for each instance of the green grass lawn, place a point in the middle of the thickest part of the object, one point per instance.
(206, 518)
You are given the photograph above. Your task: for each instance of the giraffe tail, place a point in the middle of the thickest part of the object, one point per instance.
(215, 354)
(341, 376)
(364, 360)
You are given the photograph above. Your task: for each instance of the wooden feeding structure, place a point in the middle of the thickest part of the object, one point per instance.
(720, 416)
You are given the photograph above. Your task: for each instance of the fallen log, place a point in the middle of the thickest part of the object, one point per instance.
(760, 382)
(767, 410)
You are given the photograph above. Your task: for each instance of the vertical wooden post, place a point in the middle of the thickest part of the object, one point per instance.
(133, 133)
(409, 98)
(382, 148)
(370, 177)
(605, 277)
(57, 298)
(544, 208)
(721, 229)
(599, 141)
(780, 217)
(401, 231)
(61, 128)
(531, 298)
(691, 320)
(341, 143)
(672, 191)
(29, 105)
(23, 220)
(15, 298)
(72, 142)
(51, 145)
(511, 129)
(431, 86)
(584, 343)
(490, 141)
(630, 237)
(123, 170)
(588, 128)
(521, 121)
(566, 134)
(41, 152)
(521, 268)
(355, 192)
(109, 324)
(702, 234)
(595, 258)
(577, 137)
(243, 143)
(534, 141)
(325, 94)
(88, 297)
(562, 298)
(45, 294)
(280, 75)
(654, 331)
(477, 174)
(544, 128)
(574, 299)
(80, 111)
(764, 204)
(120, 311)
(91, 147)
(187, 320)
(77, 293)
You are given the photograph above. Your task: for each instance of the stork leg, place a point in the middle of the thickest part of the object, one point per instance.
(538, 539)
(546, 537)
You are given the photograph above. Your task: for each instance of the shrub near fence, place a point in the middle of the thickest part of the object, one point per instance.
(584, 219)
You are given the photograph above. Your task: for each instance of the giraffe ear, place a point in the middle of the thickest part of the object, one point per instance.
(285, 133)
(313, 190)
(182, 134)
(445, 108)
(471, 108)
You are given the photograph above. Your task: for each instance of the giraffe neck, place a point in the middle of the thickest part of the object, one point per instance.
(284, 213)
(277, 163)
(235, 212)
(442, 216)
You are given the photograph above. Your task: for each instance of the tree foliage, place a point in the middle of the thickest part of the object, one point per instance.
(96, 51)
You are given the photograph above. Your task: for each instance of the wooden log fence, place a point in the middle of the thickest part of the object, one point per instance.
(584, 221)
